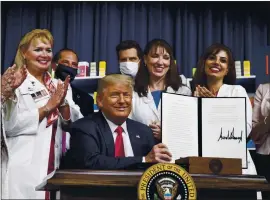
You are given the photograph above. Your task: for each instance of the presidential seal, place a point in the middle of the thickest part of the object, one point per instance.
(166, 182)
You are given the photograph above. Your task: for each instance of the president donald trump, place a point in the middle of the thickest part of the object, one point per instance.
(108, 139)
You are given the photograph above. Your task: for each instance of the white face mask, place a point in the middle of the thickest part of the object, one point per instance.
(129, 68)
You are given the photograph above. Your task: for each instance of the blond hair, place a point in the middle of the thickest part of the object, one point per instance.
(114, 79)
(43, 34)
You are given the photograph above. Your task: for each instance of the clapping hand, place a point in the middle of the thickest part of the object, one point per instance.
(20, 75)
(59, 96)
(203, 92)
(11, 80)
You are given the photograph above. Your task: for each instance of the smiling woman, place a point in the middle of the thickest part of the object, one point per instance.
(38, 56)
(215, 77)
(216, 65)
(36, 117)
(156, 74)
(213, 69)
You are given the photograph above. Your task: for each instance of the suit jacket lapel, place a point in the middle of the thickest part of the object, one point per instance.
(106, 134)
(134, 139)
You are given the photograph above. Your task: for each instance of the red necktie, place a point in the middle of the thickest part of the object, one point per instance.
(119, 143)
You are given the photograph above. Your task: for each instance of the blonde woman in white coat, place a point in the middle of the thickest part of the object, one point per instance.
(35, 118)
(215, 77)
(157, 73)
(10, 80)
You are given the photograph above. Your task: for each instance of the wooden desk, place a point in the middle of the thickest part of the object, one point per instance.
(120, 185)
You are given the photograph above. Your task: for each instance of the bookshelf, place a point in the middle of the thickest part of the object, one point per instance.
(246, 77)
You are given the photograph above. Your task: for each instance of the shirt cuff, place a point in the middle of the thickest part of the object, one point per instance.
(64, 121)
(64, 103)
(143, 159)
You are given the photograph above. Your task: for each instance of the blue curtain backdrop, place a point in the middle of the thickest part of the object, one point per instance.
(93, 29)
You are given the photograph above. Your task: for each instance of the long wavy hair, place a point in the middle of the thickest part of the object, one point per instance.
(43, 34)
(142, 79)
(200, 77)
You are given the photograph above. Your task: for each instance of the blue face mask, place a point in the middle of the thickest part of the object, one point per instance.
(62, 71)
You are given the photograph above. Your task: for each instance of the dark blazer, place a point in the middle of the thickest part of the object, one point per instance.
(83, 100)
(92, 144)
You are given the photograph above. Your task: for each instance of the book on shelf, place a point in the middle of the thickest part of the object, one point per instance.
(83, 69)
(102, 68)
(193, 71)
(93, 69)
(238, 69)
(246, 67)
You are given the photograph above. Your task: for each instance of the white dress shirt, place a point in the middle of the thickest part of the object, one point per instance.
(127, 145)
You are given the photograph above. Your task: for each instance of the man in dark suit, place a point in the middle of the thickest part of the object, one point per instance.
(65, 62)
(108, 139)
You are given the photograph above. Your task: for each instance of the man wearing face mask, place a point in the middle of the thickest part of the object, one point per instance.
(65, 62)
(129, 55)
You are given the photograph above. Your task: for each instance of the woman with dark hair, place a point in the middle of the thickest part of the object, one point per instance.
(207, 71)
(215, 77)
(157, 73)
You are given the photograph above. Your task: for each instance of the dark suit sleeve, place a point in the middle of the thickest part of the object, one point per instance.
(152, 141)
(90, 106)
(85, 153)
(84, 101)
(150, 137)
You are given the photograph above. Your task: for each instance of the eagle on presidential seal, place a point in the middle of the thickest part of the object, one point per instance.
(167, 188)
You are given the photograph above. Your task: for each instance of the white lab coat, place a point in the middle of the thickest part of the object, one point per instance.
(238, 91)
(144, 109)
(185, 81)
(29, 141)
(4, 164)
